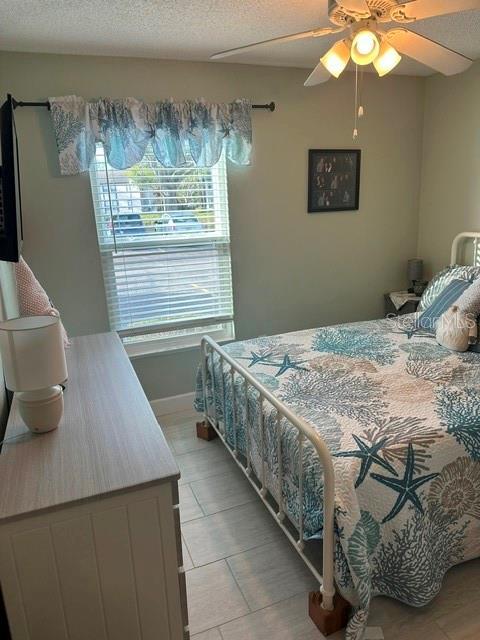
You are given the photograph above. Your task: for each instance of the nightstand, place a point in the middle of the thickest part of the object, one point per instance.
(410, 306)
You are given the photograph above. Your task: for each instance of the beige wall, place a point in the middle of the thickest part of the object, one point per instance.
(290, 270)
(450, 184)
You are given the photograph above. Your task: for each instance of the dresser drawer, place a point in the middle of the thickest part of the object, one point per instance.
(106, 569)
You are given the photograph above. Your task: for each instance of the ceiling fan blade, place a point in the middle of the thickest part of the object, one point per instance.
(428, 52)
(421, 9)
(313, 33)
(318, 76)
(359, 8)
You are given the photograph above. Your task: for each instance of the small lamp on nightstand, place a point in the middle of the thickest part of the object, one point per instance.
(34, 363)
(415, 275)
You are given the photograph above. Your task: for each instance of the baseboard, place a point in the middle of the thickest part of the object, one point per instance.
(172, 404)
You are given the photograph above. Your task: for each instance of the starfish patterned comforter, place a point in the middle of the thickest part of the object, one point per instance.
(401, 417)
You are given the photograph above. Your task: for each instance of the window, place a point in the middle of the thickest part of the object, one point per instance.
(164, 241)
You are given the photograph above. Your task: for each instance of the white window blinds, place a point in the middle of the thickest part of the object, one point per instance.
(164, 241)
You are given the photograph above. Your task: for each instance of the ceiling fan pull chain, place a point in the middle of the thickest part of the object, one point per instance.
(361, 108)
(355, 129)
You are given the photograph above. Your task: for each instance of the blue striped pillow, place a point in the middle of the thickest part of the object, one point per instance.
(441, 279)
(429, 318)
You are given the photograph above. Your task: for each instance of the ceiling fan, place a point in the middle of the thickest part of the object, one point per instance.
(367, 42)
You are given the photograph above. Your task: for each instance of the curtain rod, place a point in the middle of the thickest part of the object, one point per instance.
(16, 103)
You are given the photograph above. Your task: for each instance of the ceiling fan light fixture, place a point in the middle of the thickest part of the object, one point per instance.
(336, 58)
(365, 47)
(387, 59)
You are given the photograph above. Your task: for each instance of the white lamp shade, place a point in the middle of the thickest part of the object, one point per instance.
(33, 353)
(387, 59)
(336, 58)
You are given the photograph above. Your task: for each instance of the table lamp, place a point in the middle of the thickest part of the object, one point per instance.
(415, 272)
(34, 364)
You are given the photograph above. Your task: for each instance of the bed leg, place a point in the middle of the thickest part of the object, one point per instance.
(328, 622)
(205, 431)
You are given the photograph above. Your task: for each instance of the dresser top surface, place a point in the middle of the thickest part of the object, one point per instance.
(108, 439)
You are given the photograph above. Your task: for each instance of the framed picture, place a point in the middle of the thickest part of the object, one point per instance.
(333, 180)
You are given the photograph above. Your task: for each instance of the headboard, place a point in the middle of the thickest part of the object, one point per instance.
(8, 309)
(466, 248)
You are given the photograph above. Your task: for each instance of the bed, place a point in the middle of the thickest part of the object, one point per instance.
(365, 436)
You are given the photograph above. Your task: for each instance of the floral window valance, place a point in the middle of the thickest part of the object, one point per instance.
(176, 130)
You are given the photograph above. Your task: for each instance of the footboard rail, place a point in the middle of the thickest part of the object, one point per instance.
(304, 432)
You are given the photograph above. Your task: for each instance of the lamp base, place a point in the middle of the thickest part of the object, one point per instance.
(41, 410)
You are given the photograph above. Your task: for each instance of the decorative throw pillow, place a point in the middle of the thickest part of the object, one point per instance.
(32, 298)
(442, 279)
(450, 294)
(469, 303)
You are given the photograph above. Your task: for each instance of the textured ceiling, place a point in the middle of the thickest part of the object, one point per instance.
(194, 29)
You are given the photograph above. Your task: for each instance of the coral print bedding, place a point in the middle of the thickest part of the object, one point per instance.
(401, 417)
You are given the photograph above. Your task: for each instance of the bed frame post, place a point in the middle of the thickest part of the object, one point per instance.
(327, 609)
(205, 431)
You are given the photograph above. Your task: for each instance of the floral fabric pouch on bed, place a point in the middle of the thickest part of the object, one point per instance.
(442, 279)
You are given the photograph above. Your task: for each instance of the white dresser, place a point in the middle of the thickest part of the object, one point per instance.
(90, 545)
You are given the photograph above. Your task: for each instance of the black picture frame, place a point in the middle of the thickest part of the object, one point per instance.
(333, 180)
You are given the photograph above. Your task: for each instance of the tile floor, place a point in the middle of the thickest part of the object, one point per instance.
(245, 581)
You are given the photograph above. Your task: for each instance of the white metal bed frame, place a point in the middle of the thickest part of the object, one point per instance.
(456, 245)
(305, 431)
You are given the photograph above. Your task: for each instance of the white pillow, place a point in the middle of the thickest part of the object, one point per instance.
(469, 301)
